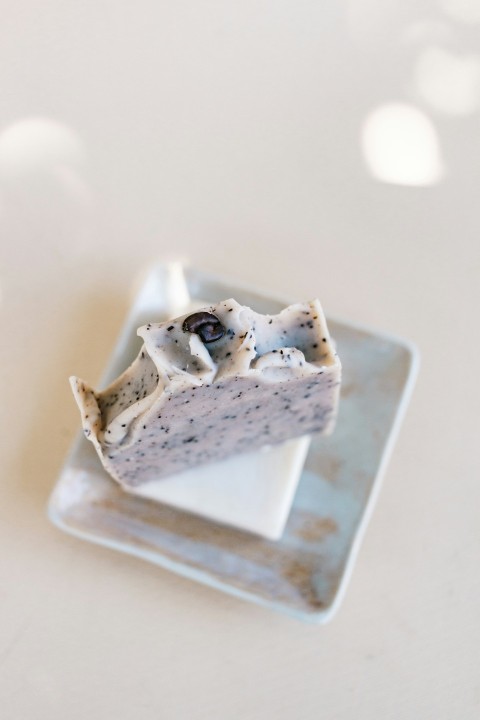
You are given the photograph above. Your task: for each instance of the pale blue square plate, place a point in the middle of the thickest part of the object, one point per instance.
(305, 572)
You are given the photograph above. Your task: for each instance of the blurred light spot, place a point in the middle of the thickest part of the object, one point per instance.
(40, 157)
(400, 146)
(467, 11)
(449, 83)
(37, 144)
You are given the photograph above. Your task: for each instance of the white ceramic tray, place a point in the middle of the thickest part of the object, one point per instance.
(306, 571)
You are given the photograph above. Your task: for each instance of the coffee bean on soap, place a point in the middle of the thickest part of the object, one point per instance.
(206, 325)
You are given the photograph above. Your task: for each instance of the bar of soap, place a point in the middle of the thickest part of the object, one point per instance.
(197, 395)
(251, 492)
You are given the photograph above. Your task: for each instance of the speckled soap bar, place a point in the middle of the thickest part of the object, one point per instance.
(206, 386)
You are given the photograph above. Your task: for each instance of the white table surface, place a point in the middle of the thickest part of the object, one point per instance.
(231, 134)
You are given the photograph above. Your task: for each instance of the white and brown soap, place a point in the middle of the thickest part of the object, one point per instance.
(215, 383)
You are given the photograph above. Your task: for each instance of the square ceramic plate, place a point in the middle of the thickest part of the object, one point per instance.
(305, 572)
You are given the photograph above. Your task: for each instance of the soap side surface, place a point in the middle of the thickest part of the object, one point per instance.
(184, 402)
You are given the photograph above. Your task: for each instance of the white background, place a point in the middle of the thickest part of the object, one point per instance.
(310, 148)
